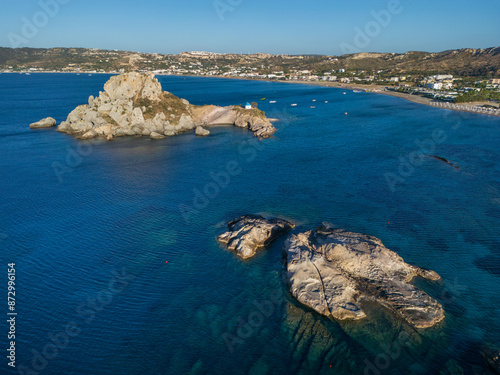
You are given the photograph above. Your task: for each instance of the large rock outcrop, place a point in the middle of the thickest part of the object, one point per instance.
(133, 104)
(250, 232)
(334, 271)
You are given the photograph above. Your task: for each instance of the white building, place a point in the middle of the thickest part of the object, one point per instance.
(440, 77)
(435, 85)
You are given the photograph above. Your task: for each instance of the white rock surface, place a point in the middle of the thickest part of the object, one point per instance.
(45, 123)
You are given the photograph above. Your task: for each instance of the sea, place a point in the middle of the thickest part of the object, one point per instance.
(114, 244)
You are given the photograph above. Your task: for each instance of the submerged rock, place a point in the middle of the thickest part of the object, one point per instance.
(445, 161)
(45, 123)
(334, 271)
(492, 358)
(133, 104)
(250, 232)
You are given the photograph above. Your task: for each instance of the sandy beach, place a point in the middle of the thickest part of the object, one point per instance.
(474, 107)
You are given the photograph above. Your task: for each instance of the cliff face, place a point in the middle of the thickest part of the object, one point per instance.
(134, 104)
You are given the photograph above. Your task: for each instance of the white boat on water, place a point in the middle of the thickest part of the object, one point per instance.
(272, 101)
(344, 93)
(313, 106)
(326, 101)
(357, 90)
(314, 100)
(294, 105)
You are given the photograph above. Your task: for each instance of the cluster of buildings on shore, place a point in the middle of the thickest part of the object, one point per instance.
(257, 66)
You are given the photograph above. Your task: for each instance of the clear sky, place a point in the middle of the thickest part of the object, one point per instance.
(330, 27)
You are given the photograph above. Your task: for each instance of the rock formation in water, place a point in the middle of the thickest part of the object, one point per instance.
(249, 233)
(445, 160)
(134, 104)
(334, 271)
(492, 358)
(201, 131)
(45, 123)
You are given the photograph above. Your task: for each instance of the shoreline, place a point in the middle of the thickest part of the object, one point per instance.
(471, 107)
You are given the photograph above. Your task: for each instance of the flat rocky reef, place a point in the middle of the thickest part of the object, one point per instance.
(338, 273)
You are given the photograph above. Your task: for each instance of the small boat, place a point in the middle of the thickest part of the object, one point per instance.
(357, 90)
(344, 93)
(262, 98)
(272, 101)
(314, 100)
(312, 107)
(326, 101)
(294, 105)
(90, 75)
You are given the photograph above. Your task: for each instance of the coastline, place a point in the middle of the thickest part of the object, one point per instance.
(474, 107)
(377, 89)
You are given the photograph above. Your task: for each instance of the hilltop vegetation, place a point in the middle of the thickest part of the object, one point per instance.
(463, 62)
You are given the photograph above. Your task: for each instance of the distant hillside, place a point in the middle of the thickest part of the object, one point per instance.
(462, 62)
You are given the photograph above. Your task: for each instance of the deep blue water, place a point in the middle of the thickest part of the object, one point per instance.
(74, 214)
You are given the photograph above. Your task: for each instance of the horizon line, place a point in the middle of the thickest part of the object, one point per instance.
(254, 53)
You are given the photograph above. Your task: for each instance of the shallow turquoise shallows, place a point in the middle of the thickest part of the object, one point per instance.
(91, 226)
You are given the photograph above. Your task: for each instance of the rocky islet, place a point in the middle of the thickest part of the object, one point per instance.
(134, 104)
(336, 272)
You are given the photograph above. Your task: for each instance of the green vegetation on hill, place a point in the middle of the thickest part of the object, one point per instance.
(475, 96)
(254, 111)
(462, 63)
(169, 104)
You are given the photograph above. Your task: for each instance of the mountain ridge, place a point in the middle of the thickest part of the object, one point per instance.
(461, 62)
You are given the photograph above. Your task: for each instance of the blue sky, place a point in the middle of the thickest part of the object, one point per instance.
(329, 27)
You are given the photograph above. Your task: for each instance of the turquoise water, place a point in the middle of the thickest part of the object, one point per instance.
(75, 214)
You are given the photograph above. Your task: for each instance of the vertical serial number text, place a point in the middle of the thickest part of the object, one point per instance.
(11, 314)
